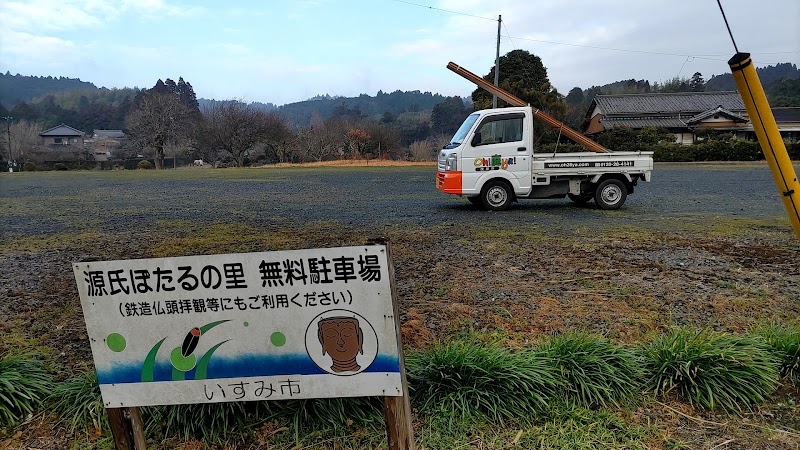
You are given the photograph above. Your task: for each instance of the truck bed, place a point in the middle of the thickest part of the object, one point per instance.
(590, 163)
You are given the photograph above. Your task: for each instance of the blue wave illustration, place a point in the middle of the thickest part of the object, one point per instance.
(242, 366)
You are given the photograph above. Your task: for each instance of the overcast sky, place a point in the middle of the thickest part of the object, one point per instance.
(288, 51)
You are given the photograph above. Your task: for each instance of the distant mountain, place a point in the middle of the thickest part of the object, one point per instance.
(397, 102)
(631, 86)
(301, 113)
(768, 75)
(206, 102)
(20, 88)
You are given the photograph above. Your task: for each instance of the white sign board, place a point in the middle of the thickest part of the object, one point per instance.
(254, 326)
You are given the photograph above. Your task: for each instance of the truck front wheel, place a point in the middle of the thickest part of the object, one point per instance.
(496, 196)
(611, 194)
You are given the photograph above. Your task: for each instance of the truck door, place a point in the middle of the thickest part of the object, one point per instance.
(499, 144)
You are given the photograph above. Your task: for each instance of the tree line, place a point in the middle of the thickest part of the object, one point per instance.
(169, 120)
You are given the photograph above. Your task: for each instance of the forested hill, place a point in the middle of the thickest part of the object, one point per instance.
(397, 102)
(15, 89)
(381, 106)
(768, 75)
(20, 88)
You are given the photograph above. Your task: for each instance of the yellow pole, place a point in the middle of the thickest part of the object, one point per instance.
(744, 72)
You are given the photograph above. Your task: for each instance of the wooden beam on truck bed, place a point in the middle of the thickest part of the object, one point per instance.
(540, 115)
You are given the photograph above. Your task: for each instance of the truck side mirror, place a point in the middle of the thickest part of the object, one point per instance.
(476, 139)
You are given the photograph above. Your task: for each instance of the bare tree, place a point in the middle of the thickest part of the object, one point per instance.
(25, 139)
(238, 129)
(320, 140)
(159, 120)
(422, 151)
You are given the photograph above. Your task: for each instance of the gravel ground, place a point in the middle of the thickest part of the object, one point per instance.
(111, 201)
(704, 245)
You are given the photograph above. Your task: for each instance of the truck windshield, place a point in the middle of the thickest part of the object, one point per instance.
(458, 138)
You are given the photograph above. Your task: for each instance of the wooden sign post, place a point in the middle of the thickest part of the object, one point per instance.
(127, 428)
(397, 410)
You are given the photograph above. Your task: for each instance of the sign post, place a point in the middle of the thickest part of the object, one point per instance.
(127, 428)
(397, 410)
(315, 323)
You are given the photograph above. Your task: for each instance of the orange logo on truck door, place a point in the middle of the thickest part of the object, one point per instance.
(495, 162)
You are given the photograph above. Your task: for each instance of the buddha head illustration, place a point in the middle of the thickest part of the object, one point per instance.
(341, 338)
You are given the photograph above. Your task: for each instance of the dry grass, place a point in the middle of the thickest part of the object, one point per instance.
(352, 163)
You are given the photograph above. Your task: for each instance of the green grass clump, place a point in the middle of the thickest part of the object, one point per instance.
(710, 369)
(470, 378)
(597, 372)
(334, 415)
(215, 423)
(578, 428)
(77, 401)
(224, 423)
(785, 343)
(24, 383)
(333, 412)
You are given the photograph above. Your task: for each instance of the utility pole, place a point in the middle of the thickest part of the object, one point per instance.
(497, 61)
(8, 134)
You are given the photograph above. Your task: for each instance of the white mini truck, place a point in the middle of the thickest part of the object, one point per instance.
(491, 161)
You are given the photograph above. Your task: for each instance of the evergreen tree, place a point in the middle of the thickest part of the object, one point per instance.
(187, 95)
(521, 71)
(171, 86)
(448, 115)
(697, 84)
(575, 97)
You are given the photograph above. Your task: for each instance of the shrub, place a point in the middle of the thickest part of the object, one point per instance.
(24, 383)
(710, 369)
(596, 371)
(469, 378)
(60, 166)
(560, 148)
(674, 153)
(793, 150)
(77, 400)
(29, 167)
(785, 343)
(144, 165)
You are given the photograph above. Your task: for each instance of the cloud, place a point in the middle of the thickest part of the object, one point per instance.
(46, 15)
(39, 54)
(59, 15)
(300, 9)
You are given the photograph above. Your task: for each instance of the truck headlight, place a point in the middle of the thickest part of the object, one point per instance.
(451, 163)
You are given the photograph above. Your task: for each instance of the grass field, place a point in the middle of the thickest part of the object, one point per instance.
(724, 261)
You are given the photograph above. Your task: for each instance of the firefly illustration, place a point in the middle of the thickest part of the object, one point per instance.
(183, 358)
(190, 342)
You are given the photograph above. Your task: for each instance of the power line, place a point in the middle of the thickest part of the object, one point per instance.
(445, 10)
(508, 35)
(649, 52)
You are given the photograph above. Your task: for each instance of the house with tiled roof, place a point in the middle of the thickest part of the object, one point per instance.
(682, 113)
(62, 135)
(103, 141)
(116, 135)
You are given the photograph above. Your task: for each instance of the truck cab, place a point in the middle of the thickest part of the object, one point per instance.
(491, 161)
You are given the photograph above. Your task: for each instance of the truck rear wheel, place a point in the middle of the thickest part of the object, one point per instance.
(611, 194)
(496, 196)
